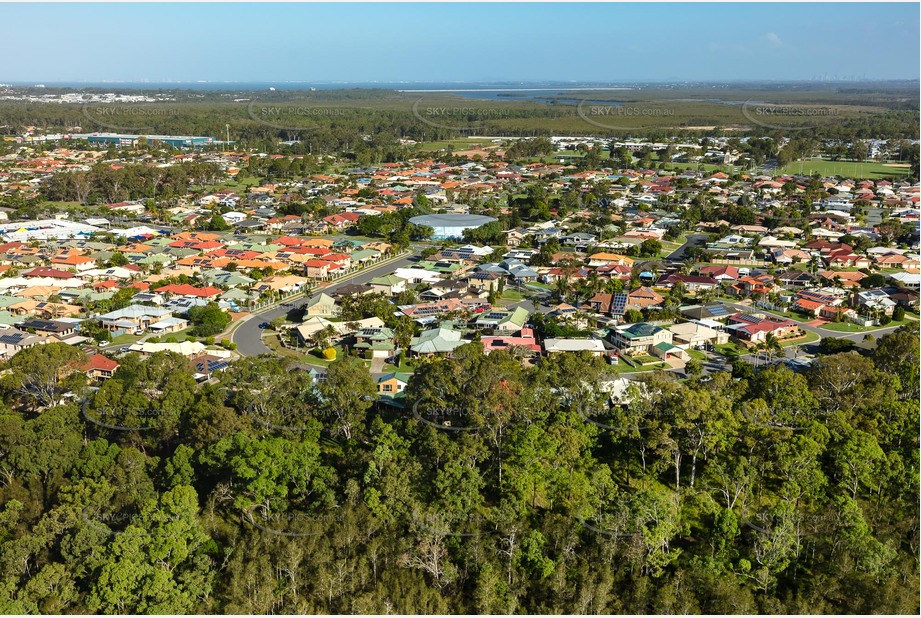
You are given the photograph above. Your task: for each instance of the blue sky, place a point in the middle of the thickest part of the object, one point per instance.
(457, 42)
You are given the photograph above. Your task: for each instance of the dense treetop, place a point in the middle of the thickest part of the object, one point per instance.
(497, 488)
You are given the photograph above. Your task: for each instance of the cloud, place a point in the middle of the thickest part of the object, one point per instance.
(773, 40)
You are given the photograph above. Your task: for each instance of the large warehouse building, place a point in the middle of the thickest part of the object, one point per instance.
(451, 226)
(122, 139)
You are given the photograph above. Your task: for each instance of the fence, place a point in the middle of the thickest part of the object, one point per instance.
(312, 286)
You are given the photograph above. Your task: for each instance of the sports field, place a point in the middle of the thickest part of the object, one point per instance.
(850, 169)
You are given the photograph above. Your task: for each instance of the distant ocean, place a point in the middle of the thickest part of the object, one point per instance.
(540, 91)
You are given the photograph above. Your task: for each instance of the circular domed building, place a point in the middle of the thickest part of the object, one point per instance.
(451, 226)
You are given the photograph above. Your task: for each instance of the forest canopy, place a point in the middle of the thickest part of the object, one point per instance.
(496, 488)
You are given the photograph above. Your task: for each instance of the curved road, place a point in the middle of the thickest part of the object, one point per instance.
(692, 240)
(248, 336)
(818, 330)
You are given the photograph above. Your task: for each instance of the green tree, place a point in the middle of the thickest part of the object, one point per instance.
(347, 394)
(160, 565)
(208, 320)
(39, 372)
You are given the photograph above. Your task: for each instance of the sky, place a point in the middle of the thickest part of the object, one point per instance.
(457, 42)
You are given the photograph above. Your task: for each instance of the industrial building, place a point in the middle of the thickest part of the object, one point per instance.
(124, 139)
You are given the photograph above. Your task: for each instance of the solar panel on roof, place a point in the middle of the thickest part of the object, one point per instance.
(718, 310)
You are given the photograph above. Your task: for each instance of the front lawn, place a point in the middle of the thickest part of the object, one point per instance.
(810, 337)
(125, 339)
(406, 365)
(623, 367)
(796, 317)
(730, 350)
(850, 327)
(644, 359)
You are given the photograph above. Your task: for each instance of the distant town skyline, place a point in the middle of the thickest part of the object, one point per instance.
(237, 42)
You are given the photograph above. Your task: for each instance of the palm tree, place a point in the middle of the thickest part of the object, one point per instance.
(705, 297)
(771, 345)
(594, 283)
(322, 337)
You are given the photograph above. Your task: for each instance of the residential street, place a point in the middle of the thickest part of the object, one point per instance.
(693, 240)
(821, 332)
(248, 336)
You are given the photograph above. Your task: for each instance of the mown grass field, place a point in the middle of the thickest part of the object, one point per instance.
(851, 169)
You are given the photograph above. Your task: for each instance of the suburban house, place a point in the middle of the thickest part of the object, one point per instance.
(319, 269)
(322, 305)
(392, 384)
(638, 338)
(693, 335)
(609, 259)
(377, 342)
(643, 297)
(720, 273)
(692, 283)
(49, 328)
(133, 318)
(441, 341)
(13, 340)
(185, 290)
(614, 305)
(754, 328)
(795, 279)
(503, 321)
(388, 285)
(168, 325)
(896, 260)
(874, 300)
(99, 367)
(595, 347)
(524, 340)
